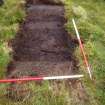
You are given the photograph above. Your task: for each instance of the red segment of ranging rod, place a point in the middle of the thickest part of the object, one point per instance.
(21, 79)
(41, 78)
(82, 49)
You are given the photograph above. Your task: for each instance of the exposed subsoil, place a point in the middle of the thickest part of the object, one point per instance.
(42, 44)
(43, 47)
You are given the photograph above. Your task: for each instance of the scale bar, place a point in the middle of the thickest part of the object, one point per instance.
(82, 49)
(40, 78)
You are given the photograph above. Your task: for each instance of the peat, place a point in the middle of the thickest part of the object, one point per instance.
(43, 43)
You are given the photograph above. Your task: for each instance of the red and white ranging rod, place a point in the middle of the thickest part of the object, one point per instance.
(40, 78)
(82, 49)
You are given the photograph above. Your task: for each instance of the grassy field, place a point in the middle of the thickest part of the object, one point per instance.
(90, 19)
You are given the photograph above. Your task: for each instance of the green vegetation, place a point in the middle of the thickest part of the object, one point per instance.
(90, 19)
(11, 13)
(40, 95)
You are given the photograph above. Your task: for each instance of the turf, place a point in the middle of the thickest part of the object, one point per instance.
(11, 14)
(90, 19)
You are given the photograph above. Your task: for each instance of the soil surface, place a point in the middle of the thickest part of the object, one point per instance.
(42, 47)
(42, 44)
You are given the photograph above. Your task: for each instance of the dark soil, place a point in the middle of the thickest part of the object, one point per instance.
(1, 2)
(42, 44)
(46, 2)
(43, 47)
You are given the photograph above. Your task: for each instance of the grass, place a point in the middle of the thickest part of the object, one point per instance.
(11, 13)
(45, 94)
(89, 16)
(90, 19)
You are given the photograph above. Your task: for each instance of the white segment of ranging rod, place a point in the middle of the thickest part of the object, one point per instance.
(63, 77)
(80, 42)
(76, 30)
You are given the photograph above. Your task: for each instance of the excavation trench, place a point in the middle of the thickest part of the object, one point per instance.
(42, 44)
(43, 47)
